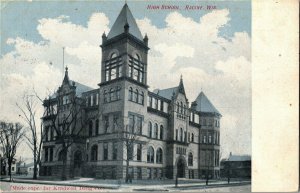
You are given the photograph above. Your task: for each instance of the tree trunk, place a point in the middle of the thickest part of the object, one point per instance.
(9, 170)
(127, 170)
(34, 162)
(63, 175)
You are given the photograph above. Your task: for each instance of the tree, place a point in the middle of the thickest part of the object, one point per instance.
(67, 118)
(128, 136)
(11, 135)
(36, 136)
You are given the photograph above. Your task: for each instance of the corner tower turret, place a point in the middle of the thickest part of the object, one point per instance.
(124, 51)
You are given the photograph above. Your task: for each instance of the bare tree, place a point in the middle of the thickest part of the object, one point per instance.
(128, 136)
(36, 135)
(11, 135)
(68, 120)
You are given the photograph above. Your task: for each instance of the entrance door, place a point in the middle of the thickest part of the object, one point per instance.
(77, 163)
(181, 168)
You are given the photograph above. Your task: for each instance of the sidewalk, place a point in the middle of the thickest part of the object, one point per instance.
(137, 185)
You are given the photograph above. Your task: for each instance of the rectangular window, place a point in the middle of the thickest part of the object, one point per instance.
(131, 124)
(94, 99)
(116, 122)
(155, 173)
(130, 151)
(139, 125)
(162, 105)
(150, 102)
(51, 134)
(156, 103)
(97, 99)
(51, 154)
(105, 151)
(115, 151)
(139, 173)
(149, 173)
(106, 124)
(139, 152)
(46, 154)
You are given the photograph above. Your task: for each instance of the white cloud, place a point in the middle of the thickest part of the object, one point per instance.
(218, 65)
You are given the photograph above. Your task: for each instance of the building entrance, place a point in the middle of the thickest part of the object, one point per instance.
(181, 168)
(77, 163)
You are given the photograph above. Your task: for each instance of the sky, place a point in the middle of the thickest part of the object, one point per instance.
(211, 49)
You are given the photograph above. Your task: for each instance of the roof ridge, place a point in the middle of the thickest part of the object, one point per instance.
(125, 17)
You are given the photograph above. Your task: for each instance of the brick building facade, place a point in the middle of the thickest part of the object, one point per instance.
(171, 136)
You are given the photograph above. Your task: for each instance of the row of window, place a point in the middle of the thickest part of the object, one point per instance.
(181, 108)
(135, 124)
(181, 136)
(110, 124)
(204, 121)
(135, 95)
(153, 131)
(48, 154)
(209, 157)
(210, 138)
(150, 155)
(130, 153)
(156, 103)
(112, 95)
(92, 100)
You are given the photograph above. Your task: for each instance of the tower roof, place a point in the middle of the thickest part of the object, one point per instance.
(204, 105)
(169, 92)
(125, 18)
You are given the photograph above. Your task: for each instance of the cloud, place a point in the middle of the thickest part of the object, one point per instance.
(220, 66)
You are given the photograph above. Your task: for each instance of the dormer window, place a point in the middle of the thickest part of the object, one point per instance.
(65, 100)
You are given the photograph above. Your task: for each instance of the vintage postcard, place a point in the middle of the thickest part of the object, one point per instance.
(127, 96)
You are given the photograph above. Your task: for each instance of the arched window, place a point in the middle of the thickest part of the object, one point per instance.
(161, 134)
(178, 107)
(130, 96)
(181, 134)
(156, 130)
(105, 96)
(141, 98)
(97, 127)
(150, 155)
(190, 159)
(113, 55)
(118, 89)
(159, 156)
(192, 137)
(150, 129)
(209, 139)
(90, 128)
(184, 109)
(111, 94)
(94, 153)
(204, 139)
(136, 95)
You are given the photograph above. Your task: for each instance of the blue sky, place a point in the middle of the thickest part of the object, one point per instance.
(20, 18)
(210, 49)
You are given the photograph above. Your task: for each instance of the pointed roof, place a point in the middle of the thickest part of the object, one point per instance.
(203, 104)
(66, 78)
(80, 88)
(125, 18)
(169, 92)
